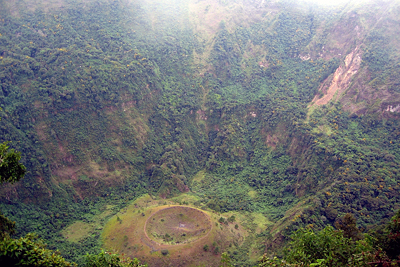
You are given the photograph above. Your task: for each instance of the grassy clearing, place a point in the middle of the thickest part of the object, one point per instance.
(185, 198)
(199, 176)
(261, 222)
(127, 233)
(79, 230)
(252, 193)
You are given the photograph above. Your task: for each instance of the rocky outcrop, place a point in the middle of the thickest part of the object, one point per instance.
(334, 86)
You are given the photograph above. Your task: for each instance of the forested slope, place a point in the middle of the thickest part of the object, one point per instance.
(280, 108)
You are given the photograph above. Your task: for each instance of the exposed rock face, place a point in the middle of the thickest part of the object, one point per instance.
(393, 108)
(334, 86)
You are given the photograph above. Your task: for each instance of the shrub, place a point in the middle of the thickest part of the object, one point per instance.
(107, 259)
(329, 245)
(29, 250)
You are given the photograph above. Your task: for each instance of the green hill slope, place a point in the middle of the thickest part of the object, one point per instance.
(277, 108)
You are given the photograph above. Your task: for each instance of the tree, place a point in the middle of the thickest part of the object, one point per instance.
(29, 251)
(392, 246)
(7, 227)
(348, 224)
(327, 246)
(225, 260)
(11, 170)
(107, 259)
(265, 261)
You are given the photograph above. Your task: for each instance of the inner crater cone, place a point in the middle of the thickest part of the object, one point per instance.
(177, 225)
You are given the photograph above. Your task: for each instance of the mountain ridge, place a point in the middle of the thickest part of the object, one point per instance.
(279, 105)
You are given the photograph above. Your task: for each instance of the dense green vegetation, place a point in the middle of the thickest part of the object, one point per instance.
(27, 250)
(345, 246)
(108, 259)
(108, 100)
(11, 171)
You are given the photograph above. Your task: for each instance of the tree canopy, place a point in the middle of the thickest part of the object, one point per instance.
(11, 170)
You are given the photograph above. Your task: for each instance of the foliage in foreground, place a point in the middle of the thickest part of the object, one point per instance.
(330, 247)
(11, 170)
(392, 234)
(108, 259)
(327, 247)
(30, 251)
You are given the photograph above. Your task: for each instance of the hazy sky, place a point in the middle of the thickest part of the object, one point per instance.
(329, 2)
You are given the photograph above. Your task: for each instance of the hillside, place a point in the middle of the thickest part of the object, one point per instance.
(282, 111)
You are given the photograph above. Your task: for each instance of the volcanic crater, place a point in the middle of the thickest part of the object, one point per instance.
(177, 225)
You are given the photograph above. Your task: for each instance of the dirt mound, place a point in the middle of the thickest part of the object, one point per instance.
(177, 225)
(166, 233)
